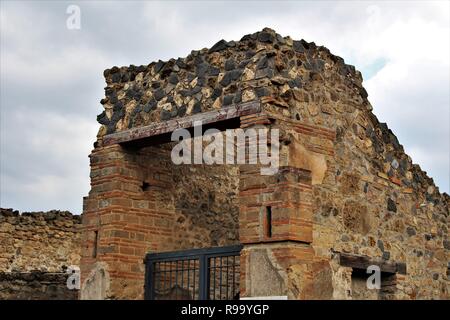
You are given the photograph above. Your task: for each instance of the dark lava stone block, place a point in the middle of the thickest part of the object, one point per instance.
(136, 110)
(295, 83)
(150, 105)
(181, 63)
(265, 37)
(219, 46)
(230, 65)
(165, 115)
(411, 231)
(238, 97)
(159, 94)
(116, 77)
(182, 111)
(391, 206)
(202, 69)
(261, 92)
(298, 46)
(262, 63)
(228, 99)
(236, 74)
(213, 71)
(102, 118)
(158, 66)
(197, 107)
(185, 93)
(173, 78)
(216, 93)
(226, 80)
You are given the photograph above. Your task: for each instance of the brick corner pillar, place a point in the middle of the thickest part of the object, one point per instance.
(275, 227)
(114, 227)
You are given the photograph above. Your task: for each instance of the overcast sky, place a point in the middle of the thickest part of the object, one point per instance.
(52, 77)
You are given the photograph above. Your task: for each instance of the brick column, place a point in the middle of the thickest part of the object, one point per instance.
(275, 222)
(120, 224)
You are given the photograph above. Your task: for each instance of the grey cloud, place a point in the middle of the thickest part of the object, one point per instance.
(52, 81)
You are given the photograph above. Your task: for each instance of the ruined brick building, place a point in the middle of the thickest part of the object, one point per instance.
(345, 197)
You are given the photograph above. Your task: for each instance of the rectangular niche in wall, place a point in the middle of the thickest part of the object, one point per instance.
(360, 265)
(360, 290)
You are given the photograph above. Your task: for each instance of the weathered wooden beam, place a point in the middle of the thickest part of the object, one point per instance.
(161, 128)
(363, 262)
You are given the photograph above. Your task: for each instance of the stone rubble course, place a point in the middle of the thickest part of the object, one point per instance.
(262, 64)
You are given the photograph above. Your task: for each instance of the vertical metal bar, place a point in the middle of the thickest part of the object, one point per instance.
(203, 277)
(170, 276)
(234, 276)
(182, 273)
(146, 282)
(165, 275)
(150, 281)
(227, 282)
(160, 282)
(176, 277)
(195, 267)
(188, 275)
(208, 276)
(214, 279)
(220, 279)
(157, 277)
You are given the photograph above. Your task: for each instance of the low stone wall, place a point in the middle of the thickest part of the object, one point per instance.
(35, 286)
(36, 248)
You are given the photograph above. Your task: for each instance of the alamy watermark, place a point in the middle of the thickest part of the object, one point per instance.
(73, 22)
(374, 280)
(73, 280)
(237, 146)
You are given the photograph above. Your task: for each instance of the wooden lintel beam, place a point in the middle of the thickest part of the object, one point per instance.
(160, 128)
(362, 262)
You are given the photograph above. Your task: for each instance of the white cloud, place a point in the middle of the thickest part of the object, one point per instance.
(411, 92)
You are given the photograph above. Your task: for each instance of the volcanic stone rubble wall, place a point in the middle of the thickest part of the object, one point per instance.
(345, 186)
(35, 250)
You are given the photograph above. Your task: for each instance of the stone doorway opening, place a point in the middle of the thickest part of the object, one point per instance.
(195, 251)
(146, 204)
(142, 202)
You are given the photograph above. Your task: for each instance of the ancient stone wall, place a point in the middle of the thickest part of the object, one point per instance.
(35, 285)
(369, 198)
(36, 248)
(345, 185)
(206, 205)
(203, 199)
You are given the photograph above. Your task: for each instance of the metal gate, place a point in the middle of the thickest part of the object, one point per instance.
(198, 274)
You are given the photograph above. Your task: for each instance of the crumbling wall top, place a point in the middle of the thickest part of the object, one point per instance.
(261, 66)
